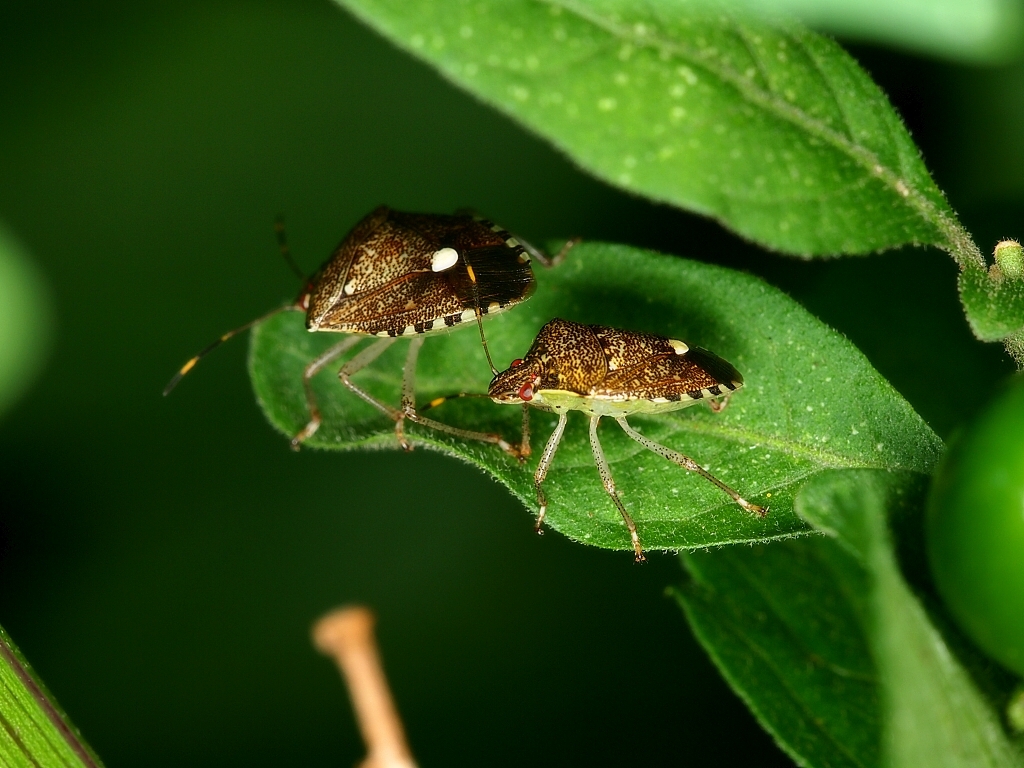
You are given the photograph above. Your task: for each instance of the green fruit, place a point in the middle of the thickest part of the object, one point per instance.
(975, 528)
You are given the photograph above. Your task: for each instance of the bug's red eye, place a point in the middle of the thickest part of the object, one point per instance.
(517, 361)
(526, 391)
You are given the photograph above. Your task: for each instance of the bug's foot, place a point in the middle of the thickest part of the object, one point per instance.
(540, 520)
(757, 509)
(507, 447)
(717, 406)
(523, 452)
(637, 548)
(307, 432)
(559, 257)
(403, 441)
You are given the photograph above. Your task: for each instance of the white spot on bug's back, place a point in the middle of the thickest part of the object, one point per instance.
(443, 259)
(350, 288)
(678, 347)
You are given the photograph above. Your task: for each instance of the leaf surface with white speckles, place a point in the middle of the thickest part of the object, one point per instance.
(768, 127)
(811, 401)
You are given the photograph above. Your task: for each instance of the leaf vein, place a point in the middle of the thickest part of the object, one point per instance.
(954, 238)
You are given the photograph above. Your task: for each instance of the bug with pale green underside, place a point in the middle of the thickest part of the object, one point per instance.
(606, 371)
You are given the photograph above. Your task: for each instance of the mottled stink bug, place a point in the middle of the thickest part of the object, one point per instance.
(404, 274)
(610, 372)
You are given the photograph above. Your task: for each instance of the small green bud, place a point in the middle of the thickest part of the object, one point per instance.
(1010, 259)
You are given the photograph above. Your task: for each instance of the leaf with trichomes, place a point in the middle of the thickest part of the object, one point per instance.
(770, 128)
(811, 401)
(934, 714)
(830, 648)
(995, 307)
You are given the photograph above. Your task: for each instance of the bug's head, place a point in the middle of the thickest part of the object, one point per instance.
(517, 384)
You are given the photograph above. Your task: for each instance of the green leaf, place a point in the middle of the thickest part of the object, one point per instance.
(934, 714)
(831, 649)
(994, 304)
(34, 732)
(811, 401)
(25, 320)
(783, 623)
(981, 31)
(771, 129)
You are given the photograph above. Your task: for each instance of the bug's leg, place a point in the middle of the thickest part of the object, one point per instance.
(609, 486)
(687, 463)
(408, 390)
(524, 442)
(409, 409)
(543, 258)
(360, 361)
(332, 353)
(542, 469)
(717, 406)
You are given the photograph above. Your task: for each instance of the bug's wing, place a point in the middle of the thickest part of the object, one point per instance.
(648, 367)
(503, 278)
(381, 280)
(629, 349)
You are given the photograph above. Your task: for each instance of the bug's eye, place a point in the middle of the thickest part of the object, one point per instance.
(517, 361)
(304, 302)
(526, 391)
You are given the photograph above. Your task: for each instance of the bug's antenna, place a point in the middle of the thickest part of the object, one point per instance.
(479, 314)
(282, 244)
(213, 345)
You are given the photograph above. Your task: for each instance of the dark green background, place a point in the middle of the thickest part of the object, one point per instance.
(161, 561)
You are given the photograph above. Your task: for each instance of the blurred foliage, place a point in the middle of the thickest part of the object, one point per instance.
(160, 560)
(981, 31)
(25, 321)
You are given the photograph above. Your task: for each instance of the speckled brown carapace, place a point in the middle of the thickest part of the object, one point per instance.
(404, 273)
(602, 364)
(605, 371)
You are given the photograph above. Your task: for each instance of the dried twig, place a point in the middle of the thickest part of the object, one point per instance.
(347, 636)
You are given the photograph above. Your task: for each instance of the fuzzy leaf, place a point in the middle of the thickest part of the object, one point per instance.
(829, 646)
(811, 401)
(994, 304)
(783, 623)
(771, 129)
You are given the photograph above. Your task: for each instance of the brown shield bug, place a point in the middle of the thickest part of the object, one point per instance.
(610, 372)
(404, 274)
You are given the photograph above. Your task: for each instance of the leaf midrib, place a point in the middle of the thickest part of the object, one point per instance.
(957, 242)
